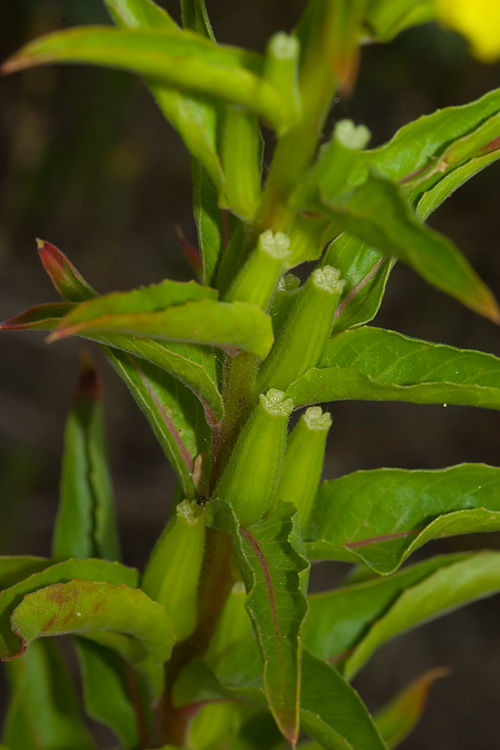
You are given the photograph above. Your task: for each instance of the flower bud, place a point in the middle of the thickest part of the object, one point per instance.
(303, 462)
(241, 160)
(305, 335)
(257, 279)
(337, 158)
(281, 70)
(287, 294)
(173, 571)
(252, 473)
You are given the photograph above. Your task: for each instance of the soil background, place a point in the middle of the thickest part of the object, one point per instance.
(88, 163)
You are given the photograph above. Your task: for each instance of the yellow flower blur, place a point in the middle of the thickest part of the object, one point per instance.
(478, 21)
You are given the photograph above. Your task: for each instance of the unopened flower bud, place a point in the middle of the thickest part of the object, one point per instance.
(281, 70)
(252, 473)
(173, 571)
(302, 341)
(303, 462)
(259, 276)
(242, 149)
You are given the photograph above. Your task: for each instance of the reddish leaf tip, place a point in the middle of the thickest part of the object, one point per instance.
(191, 252)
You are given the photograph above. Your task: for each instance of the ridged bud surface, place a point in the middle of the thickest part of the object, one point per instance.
(301, 343)
(281, 70)
(303, 462)
(252, 473)
(173, 571)
(259, 276)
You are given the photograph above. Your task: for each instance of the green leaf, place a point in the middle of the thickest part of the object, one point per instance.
(440, 593)
(86, 524)
(195, 17)
(433, 197)
(396, 720)
(16, 568)
(372, 364)
(172, 411)
(80, 605)
(208, 219)
(174, 414)
(39, 318)
(332, 711)
(337, 620)
(420, 143)
(229, 325)
(136, 654)
(275, 572)
(105, 691)
(138, 13)
(378, 213)
(417, 506)
(194, 117)
(44, 711)
(384, 19)
(91, 570)
(147, 299)
(365, 272)
(193, 365)
(181, 59)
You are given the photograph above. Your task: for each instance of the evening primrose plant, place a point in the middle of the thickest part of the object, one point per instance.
(217, 645)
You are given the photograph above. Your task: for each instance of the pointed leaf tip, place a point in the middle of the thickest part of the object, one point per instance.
(63, 274)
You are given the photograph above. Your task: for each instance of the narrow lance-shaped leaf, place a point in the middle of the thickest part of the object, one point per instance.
(106, 692)
(195, 17)
(431, 199)
(365, 272)
(482, 140)
(181, 59)
(420, 142)
(91, 570)
(275, 571)
(138, 13)
(172, 411)
(332, 711)
(236, 325)
(396, 720)
(194, 117)
(86, 524)
(384, 19)
(380, 517)
(44, 710)
(372, 364)
(174, 414)
(337, 620)
(379, 214)
(81, 605)
(442, 592)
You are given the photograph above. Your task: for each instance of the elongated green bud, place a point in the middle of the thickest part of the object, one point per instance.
(303, 462)
(281, 70)
(242, 160)
(287, 293)
(337, 158)
(252, 473)
(257, 279)
(303, 339)
(173, 571)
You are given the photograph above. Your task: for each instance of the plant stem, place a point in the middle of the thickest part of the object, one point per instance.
(215, 584)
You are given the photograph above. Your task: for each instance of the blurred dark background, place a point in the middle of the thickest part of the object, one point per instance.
(87, 162)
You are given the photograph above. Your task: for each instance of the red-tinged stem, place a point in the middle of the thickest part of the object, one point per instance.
(216, 581)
